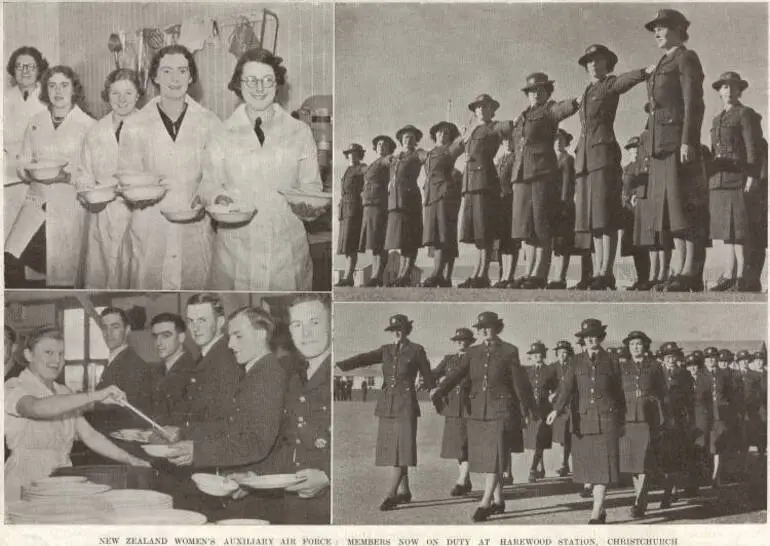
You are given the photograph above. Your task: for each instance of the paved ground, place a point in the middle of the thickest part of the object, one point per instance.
(359, 486)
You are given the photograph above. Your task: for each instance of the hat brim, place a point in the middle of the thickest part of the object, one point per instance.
(475, 104)
(353, 150)
(609, 55)
(666, 21)
(528, 88)
(462, 338)
(401, 132)
(389, 141)
(538, 352)
(485, 324)
(644, 339)
(454, 132)
(397, 327)
(742, 84)
(592, 332)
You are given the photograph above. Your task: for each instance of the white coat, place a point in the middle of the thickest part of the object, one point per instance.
(107, 225)
(271, 252)
(64, 216)
(165, 255)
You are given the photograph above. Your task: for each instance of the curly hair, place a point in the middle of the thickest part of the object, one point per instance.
(257, 55)
(175, 49)
(122, 74)
(40, 61)
(44, 332)
(78, 95)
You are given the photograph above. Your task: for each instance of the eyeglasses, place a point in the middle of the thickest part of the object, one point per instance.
(23, 67)
(252, 81)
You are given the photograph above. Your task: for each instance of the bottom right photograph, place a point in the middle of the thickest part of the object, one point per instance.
(539, 413)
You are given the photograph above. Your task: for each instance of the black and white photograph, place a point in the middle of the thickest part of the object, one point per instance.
(167, 408)
(168, 146)
(553, 151)
(544, 413)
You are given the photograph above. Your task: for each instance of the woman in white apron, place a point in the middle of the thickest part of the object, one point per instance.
(56, 133)
(107, 225)
(168, 138)
(43, 418)
(261, 151)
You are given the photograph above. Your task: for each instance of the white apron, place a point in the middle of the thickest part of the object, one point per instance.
(64, 216)
(271, 252)
(107, 225)
(165, 255)
(37, 447)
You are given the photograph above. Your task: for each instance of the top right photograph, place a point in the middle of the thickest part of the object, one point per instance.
(557, 152)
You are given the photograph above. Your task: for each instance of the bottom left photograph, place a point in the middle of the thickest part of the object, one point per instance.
(167, 408)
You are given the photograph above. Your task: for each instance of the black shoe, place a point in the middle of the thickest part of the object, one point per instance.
(723, 284)
(373, 282)
(563, 472)
(507, 480)
(534, 283)
(639, 285)
(517, 283)
(637, 511)
(540, 474)
(500, 284)
(498, 507)
(344, 282)
(480, 282)
(482, 513)
(681, 283)
(665, 502)
(431, 282)
(532, 476)
(602, 519)
(740, 285)
(389, 504)
(583, 284)
(404, 498)
(467, 283)
(445, 283)
(661, 285)
(460, 490)
(556, 285)
(587, 492)
(697, 284)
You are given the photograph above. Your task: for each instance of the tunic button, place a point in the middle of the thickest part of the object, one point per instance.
(298, 441)
(301, 398)
(300, 424)
(192, 380)
(296, 464)
(232, 418)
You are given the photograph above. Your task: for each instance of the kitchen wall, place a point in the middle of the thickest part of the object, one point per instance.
(28, 24)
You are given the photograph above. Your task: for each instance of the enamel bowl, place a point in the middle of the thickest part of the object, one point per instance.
(135, 178)
(98, 195)
(138, 194)
(45, 170)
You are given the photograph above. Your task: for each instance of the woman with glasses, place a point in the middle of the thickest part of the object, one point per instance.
(108, 225)
(56, 133)
(168, 138)
(260, 151)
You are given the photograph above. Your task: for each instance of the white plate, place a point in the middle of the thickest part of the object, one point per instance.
(58, 480)
(157, 517)
(216, 486)
(121, 498)
(133, 435)
(64, 490)
(157, 450)
(269, 481)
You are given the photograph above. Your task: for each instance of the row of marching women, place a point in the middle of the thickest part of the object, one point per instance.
(549, 207)
(120, 202)
(667, 421)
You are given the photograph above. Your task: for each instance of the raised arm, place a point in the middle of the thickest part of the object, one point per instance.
(623, 83)
(440, 370)
(453, 378)
(563, 109)
(360, 360)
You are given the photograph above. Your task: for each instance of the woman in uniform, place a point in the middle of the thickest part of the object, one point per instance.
(404, 233)
(168, 138)
(56, 133)
(735, 170)
(442, 200)
(598, 185)
(508, 249)
(645, 390)
(677, 177)
(593, 385)
(397, 408)
(561, 426)
(107, 225)
(535, 180)
(538, 436)
(351, 211)
(501, 405)
(375, 202)
(456, 408)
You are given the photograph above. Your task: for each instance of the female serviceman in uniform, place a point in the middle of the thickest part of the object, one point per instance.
(501, 405)
(561, 426)
(456, 408)
(375, 201)
(351, 211)
(508, 249)
(538, 436)
(397, 408)
(593, 385)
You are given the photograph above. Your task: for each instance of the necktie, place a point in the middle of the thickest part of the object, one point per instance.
(117, 131)
(302, 371)
(242, 374)
(258, 130)
(25, 95)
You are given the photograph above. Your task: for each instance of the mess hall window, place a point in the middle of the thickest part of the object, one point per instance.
(85, 352)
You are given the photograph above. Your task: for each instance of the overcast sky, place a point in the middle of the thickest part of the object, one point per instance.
(359, 327)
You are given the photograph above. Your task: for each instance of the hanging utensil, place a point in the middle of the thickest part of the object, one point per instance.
(115, 46)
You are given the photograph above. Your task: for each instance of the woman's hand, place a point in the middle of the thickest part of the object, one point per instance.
(136, 461)
(314, 482)
(172, 436)
(551, 418)
(686, 153)
(110, 395)
(650, 70)
(181, 453)
(749, 184)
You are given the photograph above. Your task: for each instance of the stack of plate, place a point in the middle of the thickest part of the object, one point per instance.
(63, 510)
(62, 490)
(129, 500)
(156, 517)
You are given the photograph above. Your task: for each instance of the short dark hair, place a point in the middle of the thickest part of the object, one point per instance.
(311, 296)
(257, 55)
(78, 95)
(122, 74)
(208, 297)
(116, 311)
(40, 61)
(259, 319)
(10, 332)
(173, 318)
(175, 49)
(44, 332)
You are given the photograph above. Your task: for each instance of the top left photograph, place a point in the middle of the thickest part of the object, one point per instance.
(168, 146)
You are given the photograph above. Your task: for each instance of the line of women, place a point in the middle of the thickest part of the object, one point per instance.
(616, 412)
(562, 206)
(56, 236)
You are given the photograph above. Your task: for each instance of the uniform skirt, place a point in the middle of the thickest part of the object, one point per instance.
(480, 219)
(533, 208)
(507, 245)
(349, 235)
(538, 435)
(563, 231)
(598, 201)
(729, 219)
(626, 223)
(454, 442)
(679, 196)
(638, 448)
(373, 227)
(440, 226)
(396, 441)
(561, 429)
(644, 234)
(404, 231)
(596, 457)
(490, 444)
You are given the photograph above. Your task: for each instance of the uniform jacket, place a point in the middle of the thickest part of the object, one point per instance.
(247, 434)
(481, 148)
(567, 170)
(400, 365)
(738, 400)
(497, 384)
(213, 380)
(534, 132)
(376, 177)
(456, 402)
(675, 96)
(168, 394)
(712, 392)
(352, 186)
(543, 381)
(678, 402)
(644, 385)
(133, 376)
(595, 390)
(755, 389)
(735, 135)
(636, 174)
(439, 173)
(404, 170)
(505, 171)
(597, 147)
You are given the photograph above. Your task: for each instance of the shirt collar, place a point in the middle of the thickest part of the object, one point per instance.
(315, 363)
(206, 348)
(249, 365)
(173, 360)
(114, 354)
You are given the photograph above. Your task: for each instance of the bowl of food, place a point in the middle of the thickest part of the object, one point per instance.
(45, 170)
(137, 178)
(216, 486)
(308, 206)
(231, 214)
(183, 215)
(145, 193)
(157, 450)
(98, 195)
